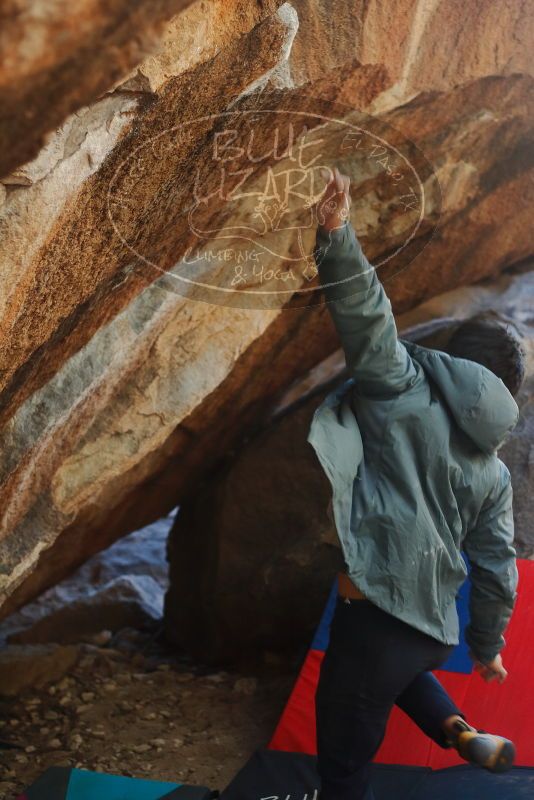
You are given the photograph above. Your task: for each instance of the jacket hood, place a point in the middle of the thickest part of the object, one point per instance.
(478, 400)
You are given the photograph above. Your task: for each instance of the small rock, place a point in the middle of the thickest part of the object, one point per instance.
(141, 748)
(87, 662)
(217, 677)
(54, 744)
(246, 685)
(101, 638)
(184, 677)
(32, 701)
(75, 741)
(26, 666)
(30, 749)
(87, 696)
(159, 742)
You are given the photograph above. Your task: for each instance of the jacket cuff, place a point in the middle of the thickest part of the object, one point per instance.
(343, 269)
(336, 237)
(485, 654)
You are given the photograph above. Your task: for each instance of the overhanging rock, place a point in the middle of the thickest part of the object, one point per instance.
(119, 394)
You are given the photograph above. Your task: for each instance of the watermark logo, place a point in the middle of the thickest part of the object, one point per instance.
(224, 206)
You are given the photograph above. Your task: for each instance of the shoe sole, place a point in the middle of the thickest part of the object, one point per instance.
(505, 758)
(473, 748)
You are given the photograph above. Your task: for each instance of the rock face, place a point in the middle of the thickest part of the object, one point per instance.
(253, 554)
(121, 385)
(422, 45)
(124, 602)
(122, 586)
(56, 58)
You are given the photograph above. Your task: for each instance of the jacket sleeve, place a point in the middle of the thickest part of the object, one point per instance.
(362, 315)
(494, 576)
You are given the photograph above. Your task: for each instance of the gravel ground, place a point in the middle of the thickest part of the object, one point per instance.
(132, 707)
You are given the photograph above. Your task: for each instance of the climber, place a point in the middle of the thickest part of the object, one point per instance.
(409, 443)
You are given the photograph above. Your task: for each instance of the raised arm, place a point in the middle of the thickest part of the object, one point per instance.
(494, 576)
(357, 302)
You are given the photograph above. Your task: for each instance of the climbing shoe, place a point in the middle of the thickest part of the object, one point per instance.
(494, 753)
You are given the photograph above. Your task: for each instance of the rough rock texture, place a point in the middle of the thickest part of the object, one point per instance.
(122, 586)
(425, 46)
(57, 57)
(253, 554)
(26, 666)
(124, 602)
(117, 393)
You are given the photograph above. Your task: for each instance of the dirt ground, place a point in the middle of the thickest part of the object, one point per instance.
(132, 707)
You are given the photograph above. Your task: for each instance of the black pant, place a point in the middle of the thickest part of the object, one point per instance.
(373, 661)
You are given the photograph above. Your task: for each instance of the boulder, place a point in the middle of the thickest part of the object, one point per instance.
(253, 554)
(127, 368)
(126, 602)
(33, 666)
(58, 57)
(120, 587)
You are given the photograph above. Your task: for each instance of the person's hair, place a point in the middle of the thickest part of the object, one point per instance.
(492, 340)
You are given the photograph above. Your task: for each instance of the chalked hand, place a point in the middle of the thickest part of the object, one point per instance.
(333, 206)
(493, 669)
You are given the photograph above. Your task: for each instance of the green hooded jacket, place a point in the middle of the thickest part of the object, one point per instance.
(409, 445)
